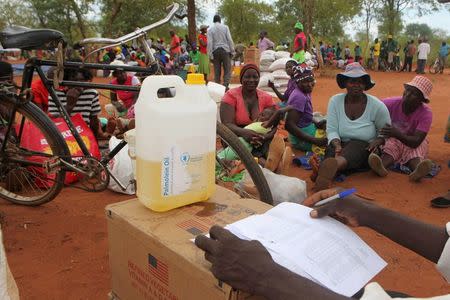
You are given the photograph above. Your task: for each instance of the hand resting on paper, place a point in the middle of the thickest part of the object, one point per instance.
(352, 210)
(248, 266)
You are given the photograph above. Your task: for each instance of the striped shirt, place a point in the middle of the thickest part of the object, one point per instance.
(88, 104)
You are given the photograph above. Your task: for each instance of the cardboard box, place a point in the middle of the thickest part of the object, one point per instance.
(152, 256)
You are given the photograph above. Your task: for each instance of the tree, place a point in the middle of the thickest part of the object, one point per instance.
(391, 13)
(192, 28)
(415, 30)
(368, 14)
(322, 18)
(246, 17)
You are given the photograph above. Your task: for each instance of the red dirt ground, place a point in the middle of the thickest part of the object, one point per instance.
(60, 250)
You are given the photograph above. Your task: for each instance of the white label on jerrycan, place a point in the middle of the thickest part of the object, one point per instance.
(182, 170)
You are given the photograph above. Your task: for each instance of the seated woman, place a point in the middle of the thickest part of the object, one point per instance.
(299, 122)
(241, 106)
(406, 142)
(353, 121)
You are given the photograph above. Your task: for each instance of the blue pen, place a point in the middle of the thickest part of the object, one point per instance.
(341, 195)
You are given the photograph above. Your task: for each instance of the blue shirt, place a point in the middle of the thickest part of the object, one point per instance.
(443, 51)
(365, 128)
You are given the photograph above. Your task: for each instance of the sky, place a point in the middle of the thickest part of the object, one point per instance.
(439, 19)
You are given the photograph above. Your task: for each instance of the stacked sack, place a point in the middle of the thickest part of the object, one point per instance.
(272, 66)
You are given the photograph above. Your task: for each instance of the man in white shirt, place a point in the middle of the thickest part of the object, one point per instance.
(422, 54)
(220, 50)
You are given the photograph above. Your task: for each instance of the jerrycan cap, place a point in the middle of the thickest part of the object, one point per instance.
(194, 78)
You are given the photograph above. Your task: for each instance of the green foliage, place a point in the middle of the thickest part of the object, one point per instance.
(416, 30)
(246, 18)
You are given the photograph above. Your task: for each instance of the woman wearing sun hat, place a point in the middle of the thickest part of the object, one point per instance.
(406, 142)
(354, 119)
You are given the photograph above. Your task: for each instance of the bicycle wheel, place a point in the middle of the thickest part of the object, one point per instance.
(249, 162)
(28, 175)
(434, 67)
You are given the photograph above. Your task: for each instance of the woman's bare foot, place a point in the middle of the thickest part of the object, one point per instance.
(327, 172)
(422, 170)
(376, 164)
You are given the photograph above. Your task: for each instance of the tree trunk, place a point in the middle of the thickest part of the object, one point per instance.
(308, 15)
(115, 10)
(80, 20)
(192, 27)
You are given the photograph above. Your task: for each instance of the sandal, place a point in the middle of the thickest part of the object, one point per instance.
(440, 202)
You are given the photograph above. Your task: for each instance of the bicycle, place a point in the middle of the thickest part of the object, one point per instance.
(31, 177)
(436, 66)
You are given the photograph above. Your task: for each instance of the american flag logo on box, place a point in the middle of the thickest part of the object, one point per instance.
(158, 269)
(194, 227)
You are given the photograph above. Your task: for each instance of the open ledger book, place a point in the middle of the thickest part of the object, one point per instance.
(322, 250)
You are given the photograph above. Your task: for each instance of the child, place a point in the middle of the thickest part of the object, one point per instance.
(267, 121)
(290, 64)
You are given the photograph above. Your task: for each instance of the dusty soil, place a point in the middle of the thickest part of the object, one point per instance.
(60, 250)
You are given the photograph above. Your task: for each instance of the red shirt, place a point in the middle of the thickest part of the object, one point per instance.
(234, 98)
(127, 97)
(40, 94)
(301, 36)
(202, 37)
(175, 40)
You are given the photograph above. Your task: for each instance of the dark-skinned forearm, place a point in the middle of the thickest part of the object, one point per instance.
(425, 239)
(286, 285)
(295, 130)
(279, 95)
(411, 141)
(236, 129)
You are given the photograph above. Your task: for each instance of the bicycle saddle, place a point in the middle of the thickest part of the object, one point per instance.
(29, 39)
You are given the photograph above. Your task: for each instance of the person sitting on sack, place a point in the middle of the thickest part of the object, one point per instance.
(405, 140)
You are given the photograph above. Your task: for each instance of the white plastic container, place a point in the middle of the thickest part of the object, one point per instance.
(130, 138)
(175, 144)
(216, 92)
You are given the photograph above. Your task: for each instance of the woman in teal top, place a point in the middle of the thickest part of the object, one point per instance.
(353, 121)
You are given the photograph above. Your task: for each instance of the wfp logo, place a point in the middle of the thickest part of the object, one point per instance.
(166, 176)
(185, 158)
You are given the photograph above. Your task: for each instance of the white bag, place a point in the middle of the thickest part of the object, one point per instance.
(264, 80)
(279, 64)
(120, 166)
(283, 188)
(281, 74)
(267, 55)
(282, 54)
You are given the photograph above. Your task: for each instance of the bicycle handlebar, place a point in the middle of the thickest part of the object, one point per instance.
(131, 36)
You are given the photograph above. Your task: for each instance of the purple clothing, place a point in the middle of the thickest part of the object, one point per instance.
(265, 44)
(302, 103)
(419, 120)
(290, 88)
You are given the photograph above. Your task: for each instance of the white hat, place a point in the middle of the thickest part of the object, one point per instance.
(116, 63)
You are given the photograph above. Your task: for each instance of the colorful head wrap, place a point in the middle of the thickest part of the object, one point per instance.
(298, 25)
(246, 68)
(302, 72)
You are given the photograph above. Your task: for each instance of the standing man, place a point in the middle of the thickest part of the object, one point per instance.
(423, 52)
(347, 52)
(338, 51)
(391, 49)
(264, 43)
(203, 63)
(376, 54)
(299, 43)
(323, 50)
(443, 53)
(175, 46)
(220, 50)
(357, 53)
(409, 56)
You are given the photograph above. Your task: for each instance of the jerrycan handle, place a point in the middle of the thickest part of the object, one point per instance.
(153, 83)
